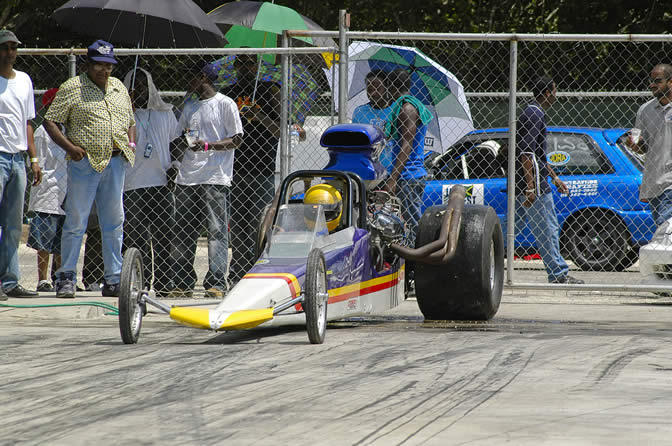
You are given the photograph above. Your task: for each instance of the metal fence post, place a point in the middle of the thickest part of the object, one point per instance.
(342, 65)
(72, 63)
(284, 112)
(511, 167)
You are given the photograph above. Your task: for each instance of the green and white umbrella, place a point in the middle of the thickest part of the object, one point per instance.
(259, 24)
(433, 84)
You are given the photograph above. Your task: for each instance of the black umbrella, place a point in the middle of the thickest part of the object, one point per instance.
(142, 23)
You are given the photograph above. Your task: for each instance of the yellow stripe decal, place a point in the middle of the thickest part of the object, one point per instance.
(359, 288)
(291, 280)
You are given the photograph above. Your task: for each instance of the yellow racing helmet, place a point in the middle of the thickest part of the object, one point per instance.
(330, 199)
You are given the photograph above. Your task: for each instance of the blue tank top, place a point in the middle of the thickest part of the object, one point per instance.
(377, 117)
(415, 165)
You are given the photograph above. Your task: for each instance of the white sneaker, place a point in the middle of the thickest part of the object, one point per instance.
(94, 287)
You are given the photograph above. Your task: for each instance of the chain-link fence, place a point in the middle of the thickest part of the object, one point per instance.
(199, 233)
(194, 220)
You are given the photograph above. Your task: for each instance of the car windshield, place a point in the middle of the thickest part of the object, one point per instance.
(299, 228)
(637, 159)
(484, 156)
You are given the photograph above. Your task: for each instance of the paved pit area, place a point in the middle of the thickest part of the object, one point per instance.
(551, 368)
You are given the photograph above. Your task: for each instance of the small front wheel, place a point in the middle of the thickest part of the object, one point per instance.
(315, 297)
(131, 309)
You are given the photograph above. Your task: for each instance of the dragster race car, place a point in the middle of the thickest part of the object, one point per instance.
(331, 246)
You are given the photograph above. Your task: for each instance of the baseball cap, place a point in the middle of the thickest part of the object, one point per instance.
(211, 71)
(7, 36)
(101, 51)
(48, 97)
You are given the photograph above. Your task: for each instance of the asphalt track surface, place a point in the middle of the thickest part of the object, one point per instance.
(551, 369)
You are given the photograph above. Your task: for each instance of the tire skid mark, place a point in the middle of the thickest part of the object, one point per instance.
(385, 398)
(480, 392)
(477, 404)
(450, 364)
(473, 389)
(407, 412)
(100, 404)
(92, 362)
(609, 369)
(459, 385)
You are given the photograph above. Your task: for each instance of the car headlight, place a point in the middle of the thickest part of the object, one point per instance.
(663, 234)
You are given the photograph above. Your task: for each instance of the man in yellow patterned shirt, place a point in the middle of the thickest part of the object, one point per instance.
(96, 111)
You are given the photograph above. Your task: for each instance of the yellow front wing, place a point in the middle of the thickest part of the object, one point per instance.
(208, 319)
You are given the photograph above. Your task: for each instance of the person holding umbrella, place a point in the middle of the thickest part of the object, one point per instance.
(376, 111)
(406, 127)
(96, 110)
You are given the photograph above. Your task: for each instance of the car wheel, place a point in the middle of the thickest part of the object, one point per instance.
(131, 309)
(261, 232)
(468, 287)
(599, 243)
(315, 297)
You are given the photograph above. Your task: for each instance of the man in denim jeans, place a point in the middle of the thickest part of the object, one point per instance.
(534, 201)
(96, 110)
(17, 107)
(213, 130)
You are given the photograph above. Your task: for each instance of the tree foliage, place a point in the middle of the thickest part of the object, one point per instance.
(31, 18)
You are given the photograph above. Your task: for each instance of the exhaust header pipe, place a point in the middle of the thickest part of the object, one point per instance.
(441, 250)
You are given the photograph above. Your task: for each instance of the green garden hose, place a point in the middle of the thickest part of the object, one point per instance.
(114, 311)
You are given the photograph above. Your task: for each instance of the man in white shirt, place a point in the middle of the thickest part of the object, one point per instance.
(213, 129)
(148, 201)
(17, 108)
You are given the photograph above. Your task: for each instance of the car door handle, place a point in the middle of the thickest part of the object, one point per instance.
(503, 190)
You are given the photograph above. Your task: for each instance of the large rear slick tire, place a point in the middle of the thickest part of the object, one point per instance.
(131, 286)
(315, 297)
(469, 286)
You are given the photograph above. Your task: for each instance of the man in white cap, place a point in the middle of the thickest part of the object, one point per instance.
(17, 108)
(96, 110)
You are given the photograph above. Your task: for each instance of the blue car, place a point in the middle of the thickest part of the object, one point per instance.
(602, 222)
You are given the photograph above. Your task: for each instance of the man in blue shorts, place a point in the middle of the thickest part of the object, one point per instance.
(45, 201)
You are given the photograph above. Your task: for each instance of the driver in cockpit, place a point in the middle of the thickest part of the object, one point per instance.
(330, 199)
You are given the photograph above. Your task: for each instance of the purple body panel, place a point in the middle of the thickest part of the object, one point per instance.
(347, 265)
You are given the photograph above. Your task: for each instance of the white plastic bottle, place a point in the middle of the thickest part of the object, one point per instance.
(293, 136)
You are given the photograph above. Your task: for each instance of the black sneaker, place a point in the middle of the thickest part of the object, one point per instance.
(569, 280)
(110, 290)
(65, 288)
